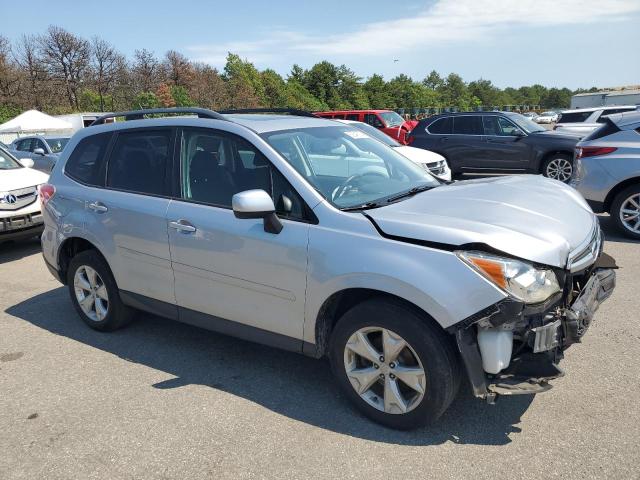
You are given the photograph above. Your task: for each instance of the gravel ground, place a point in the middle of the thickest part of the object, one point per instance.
(165, 401)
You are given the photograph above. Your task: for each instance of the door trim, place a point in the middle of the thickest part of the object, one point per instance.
(216, 324)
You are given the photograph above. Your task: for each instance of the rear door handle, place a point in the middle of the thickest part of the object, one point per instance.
(98, 207)
(182, 226)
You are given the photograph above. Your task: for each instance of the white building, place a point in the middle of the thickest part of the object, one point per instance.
(621, 96)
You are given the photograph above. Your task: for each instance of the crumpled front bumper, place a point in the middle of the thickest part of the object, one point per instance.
(544, 332)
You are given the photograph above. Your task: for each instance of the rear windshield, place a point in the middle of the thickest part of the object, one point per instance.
(607, 128)
(574, 117)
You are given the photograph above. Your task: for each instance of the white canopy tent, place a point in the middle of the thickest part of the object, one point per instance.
(33, 122)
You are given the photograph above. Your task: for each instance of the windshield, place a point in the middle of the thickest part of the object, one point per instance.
(375, 133)
(526, 124)
(7, 162)
(391, 119)
(56, 144)
(348, 167)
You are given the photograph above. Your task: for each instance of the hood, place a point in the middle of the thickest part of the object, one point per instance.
(527, 216)
(418, 155)
(556, 135)
(17, 178)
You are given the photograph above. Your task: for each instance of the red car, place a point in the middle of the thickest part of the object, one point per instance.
(386, 120)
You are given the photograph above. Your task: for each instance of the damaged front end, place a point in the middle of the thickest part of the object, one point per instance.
(513, 348)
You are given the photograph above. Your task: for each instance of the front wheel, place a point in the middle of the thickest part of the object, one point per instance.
(397, 367)
(558, 167)
(625, 210)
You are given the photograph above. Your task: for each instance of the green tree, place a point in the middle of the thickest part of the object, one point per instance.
(433, 81)
(375, 88)
(297, 96)
(275, 89)
(244, 78)
(145, 100)
(181, 96)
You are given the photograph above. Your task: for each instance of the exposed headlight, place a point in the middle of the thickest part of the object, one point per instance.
(519, 279)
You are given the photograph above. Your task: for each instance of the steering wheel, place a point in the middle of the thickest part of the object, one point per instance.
(351, 182)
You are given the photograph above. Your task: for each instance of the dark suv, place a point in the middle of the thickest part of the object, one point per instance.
(496, 142)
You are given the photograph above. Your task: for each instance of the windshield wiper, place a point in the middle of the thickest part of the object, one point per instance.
(410, 193)
(364, 206)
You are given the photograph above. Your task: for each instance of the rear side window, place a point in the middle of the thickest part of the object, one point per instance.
(24, 145)
(608, 128)
(353, 116)
(85, 162)
(139, 161)
(373, 120)
(442, 126)
(574, 117)
(467, 125)
(612, 111)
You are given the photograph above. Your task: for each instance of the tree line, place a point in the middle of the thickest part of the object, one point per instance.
(60, 72)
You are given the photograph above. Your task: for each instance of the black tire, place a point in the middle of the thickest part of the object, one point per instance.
(616, 206)
(433, 347)
(558, 157)
(118, 314)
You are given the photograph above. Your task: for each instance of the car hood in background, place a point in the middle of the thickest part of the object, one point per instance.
(554, 134)
(418, 155)
(17, 178)
(526, 216)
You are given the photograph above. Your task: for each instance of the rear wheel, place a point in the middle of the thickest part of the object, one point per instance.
(397, 368)
(625, 210)
(94, 292)
(558, 167)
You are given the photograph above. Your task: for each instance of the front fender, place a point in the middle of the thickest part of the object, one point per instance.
(436, 281)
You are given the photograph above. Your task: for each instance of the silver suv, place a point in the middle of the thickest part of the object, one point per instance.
(607, 171)
(311, 236)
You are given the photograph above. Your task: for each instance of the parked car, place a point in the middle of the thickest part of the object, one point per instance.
(500, 142)
(43, 150)
(547, 117)
(430, 161)
(607, 170)
(403, 281)
(583, 121)
(20, 215)
(386, 121)
(530, 115)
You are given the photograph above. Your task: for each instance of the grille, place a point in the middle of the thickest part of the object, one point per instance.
(587, 253)
(24, 197)
(436, 168)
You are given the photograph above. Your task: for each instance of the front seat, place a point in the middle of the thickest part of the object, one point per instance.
(210, 182)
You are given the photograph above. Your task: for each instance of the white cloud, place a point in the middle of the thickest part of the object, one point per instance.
(445, 21)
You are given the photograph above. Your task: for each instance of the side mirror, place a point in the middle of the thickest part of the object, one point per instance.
(26, 162)
(38, 151)
(257, 204)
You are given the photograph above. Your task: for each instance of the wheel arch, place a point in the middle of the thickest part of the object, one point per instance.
(341, 301)
(608, 201)
(70, 248)
(547, 155)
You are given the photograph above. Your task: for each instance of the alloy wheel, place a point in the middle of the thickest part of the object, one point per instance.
(384, 370)
(630, 213)
(559, 169)
(91, 293)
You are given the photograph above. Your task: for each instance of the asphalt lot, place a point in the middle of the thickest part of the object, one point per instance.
(165, 401)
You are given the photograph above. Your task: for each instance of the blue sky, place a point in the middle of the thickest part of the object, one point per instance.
(573, 43)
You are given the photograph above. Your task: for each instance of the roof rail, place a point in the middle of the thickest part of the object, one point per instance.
(290, 111)
(139, 114)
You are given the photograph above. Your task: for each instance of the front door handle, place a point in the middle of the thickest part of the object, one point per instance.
(182, 226)
(98, 207)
